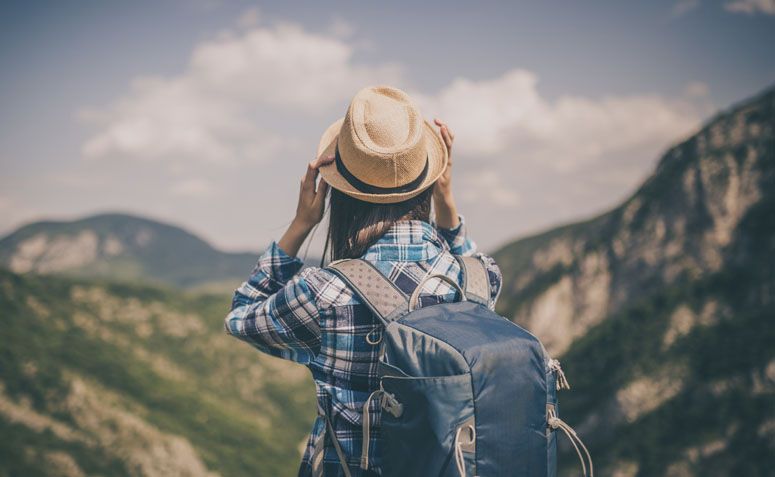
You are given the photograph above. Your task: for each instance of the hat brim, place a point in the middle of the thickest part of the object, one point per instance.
(437, 162)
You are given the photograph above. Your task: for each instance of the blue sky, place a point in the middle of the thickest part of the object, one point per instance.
(204, 112)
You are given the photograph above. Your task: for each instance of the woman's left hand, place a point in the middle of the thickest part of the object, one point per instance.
(443, 187)
(443, 201)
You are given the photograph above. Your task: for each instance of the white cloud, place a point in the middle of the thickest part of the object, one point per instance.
(173, 119)
(682, 7)
(222, 107)
(507, 117)
(751, 7)
(197, 188)
(264, 91)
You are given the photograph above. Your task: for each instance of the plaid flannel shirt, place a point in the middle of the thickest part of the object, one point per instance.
(312, 317)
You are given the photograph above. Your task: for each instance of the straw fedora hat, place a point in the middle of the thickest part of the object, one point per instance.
(385, 151)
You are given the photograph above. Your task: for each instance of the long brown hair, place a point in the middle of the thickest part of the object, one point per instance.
(355, 225)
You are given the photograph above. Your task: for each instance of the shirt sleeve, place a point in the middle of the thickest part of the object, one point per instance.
(460, 244)
(457, 239)
(275, 310)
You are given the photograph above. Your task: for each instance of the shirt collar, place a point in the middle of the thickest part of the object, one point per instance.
(407, 241)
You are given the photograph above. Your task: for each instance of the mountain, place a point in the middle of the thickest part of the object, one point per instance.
(125, 380)
(125, 247)
(662, 309)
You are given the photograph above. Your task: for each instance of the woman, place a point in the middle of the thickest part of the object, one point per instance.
(384, 165)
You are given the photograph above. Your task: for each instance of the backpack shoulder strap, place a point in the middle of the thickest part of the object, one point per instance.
(476, 280)
(381, 295)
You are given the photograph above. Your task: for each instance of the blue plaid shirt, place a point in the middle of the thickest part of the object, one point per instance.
(311, 317)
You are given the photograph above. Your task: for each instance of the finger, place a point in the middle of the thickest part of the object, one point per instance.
(449, 131)
(309, 177)
(445, 135)
(444, 130)
(319, 201)
(323, 160)
(322, 190)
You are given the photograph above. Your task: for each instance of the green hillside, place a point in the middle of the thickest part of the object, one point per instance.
(661, 310)
(105, 379)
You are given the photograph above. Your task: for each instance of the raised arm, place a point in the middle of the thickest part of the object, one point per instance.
(274, 310)
(448, 222)
(451, 225)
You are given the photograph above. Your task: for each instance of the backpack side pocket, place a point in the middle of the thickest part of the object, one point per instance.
(420, 440)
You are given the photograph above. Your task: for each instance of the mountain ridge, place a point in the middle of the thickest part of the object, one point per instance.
(124, 246)
(660, 191)
(661, 308)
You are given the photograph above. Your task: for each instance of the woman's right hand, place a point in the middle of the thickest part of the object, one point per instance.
(311, 205)
(309, 209)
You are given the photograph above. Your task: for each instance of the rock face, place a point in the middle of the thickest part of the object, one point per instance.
(119, 246)
(686, 266)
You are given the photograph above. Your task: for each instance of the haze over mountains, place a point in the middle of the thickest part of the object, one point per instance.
(661, 311)
(121, 246)
(125, 247)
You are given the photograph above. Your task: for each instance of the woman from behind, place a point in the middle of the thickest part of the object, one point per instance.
(385, 168)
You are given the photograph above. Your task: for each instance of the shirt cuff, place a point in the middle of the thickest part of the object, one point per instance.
(456, 234)
(274, 269)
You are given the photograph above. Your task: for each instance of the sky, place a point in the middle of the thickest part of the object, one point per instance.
(204, 113)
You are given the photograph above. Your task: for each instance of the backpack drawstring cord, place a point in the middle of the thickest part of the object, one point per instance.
(367, 429)
(461, 466)
(389, 403)
(458, 446)
(557, 423)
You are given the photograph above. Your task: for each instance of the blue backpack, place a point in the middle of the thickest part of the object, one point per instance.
(464, 392)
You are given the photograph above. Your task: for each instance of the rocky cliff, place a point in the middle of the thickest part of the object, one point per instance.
(662, 308)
